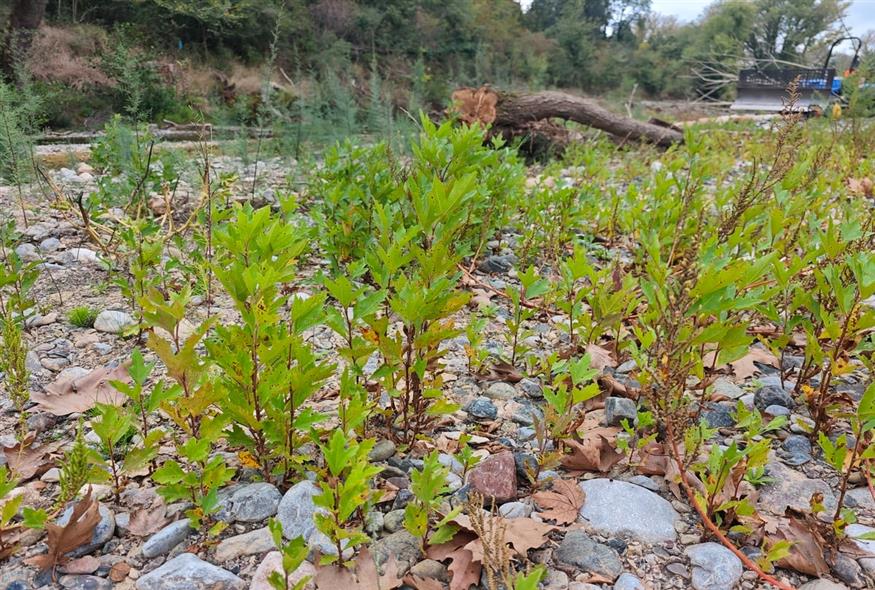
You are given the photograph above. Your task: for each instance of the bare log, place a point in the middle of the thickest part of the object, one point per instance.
(511, 111)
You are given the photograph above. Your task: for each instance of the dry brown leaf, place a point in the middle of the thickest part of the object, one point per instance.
(561, 503)
(63, 539)
(807, 550)
(68, 396)
(861, 186)
(524, 534)
(444, 550)
(744, 367)
(500, 371)
(368, 576)
(594, 453)
(464, 570)
(149, 520)
(600, 357)
(29, 461)
(365, 577)
(418, 583)
(332, 577)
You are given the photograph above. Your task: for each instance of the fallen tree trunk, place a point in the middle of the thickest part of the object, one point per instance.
(513, 114)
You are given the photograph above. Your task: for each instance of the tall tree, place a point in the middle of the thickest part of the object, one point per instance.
(24, 20)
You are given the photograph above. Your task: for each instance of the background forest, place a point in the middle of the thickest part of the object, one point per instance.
(356, 62)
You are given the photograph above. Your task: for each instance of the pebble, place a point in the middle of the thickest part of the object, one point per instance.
(85, 583)
(627, 581)
(28, 252)
(251, 543)
(619, 508)
(714, 567)
(798, 449)
(50, 244)
(619, 408)
(374, 521)
(776, 411)
(393, 521)
(482, 408)
(495, 477)
(167, 538)
(253, 502)
(53, 475)
(515, 510)
(577, 549)
(496, 263)
(727, 388)
(501, 390)
(857, 530)
(772, 395)
(113, 321)
(848, 571)
(81, 256)
(296, 513)
(531, 387)
(189, 572)
(384, 449)
(402, 545)
(719, 415)
(429, 568)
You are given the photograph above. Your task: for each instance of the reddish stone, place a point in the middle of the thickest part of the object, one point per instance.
(495, 477)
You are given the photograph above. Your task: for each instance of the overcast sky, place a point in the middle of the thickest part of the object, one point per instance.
(860, 17)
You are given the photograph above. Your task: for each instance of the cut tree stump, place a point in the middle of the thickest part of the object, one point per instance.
(527, 115)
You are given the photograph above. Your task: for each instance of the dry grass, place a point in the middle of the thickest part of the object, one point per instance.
(69, 55)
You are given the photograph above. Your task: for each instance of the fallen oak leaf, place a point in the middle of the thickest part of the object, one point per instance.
(26, 461)
(500, 371)
(464, 570)
(745, 366)
(562, 503)
(444, 550)
(149, 520)
(524, 534)
(63, 539)
(67, 396)
(369, 578)
(600, 357)
(595, 452)
(418, 583)
(806, 550)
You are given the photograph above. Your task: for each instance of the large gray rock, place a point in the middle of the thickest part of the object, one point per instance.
(791, 488)
(858, 530)
(714, 567)
(103, 532)
(618, 508)
(253, 502)
(188, 572)
(112, 321)
(296, 512)
(167, 538)
(251, 543)
(581, 552)
(822, 584)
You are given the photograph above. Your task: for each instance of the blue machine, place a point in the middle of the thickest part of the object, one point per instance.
(766, 89)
